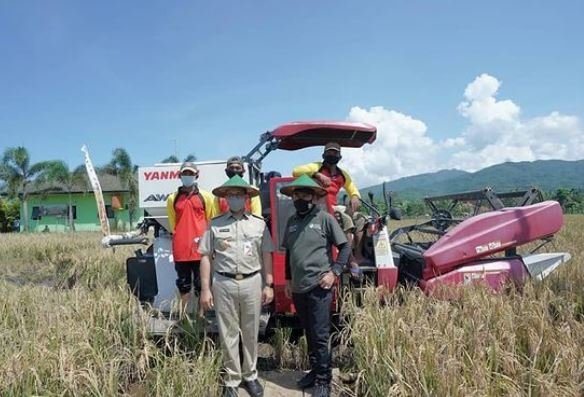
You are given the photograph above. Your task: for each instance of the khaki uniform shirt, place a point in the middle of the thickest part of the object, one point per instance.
(235, 245)
(346, 222)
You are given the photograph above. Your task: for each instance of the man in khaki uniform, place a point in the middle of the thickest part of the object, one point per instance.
(235, 249)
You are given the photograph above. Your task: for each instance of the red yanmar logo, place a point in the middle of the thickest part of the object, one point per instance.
(161, 175)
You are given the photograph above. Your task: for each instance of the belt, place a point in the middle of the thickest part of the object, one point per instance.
(237, 276)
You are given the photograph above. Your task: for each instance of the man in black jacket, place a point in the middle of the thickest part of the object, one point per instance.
(311, 274)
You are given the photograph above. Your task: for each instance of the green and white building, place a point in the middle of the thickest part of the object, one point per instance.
(47, 207)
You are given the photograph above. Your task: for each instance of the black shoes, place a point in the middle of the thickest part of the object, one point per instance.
(307, 380)
(229, 391)
(321, 390)
(253, 387)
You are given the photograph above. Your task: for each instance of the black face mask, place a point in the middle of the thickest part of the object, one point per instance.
(331, 159)
(231, 174)
(302, 206)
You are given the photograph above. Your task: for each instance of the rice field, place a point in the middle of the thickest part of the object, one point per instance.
(67, 328)
(528, 344)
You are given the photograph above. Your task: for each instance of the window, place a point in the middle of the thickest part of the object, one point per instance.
(60, 211)
(36, 213)
(109, 212)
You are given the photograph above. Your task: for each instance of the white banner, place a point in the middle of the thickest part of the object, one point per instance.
(97, 191)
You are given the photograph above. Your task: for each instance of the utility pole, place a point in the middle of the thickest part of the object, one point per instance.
(175, 148)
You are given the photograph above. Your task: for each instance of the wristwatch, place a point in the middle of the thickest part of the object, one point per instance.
(270, 285)
(336, 269)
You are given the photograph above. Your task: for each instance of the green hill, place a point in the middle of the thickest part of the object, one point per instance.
(547, 175)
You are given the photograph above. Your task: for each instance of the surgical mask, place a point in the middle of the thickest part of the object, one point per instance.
(302, 206)
(231, 173)
(188, 180)
(331, 159)
(236, 203)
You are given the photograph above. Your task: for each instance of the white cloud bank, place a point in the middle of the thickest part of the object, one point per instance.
(496, 133)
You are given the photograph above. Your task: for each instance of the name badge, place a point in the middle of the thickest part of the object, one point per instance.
(247, 248)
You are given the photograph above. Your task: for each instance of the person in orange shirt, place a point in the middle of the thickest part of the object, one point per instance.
(330, 176)
(333, 179)
(189, 211)
(253, 205)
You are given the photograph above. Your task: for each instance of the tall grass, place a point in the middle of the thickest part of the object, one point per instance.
(69, 327)
(485, 344)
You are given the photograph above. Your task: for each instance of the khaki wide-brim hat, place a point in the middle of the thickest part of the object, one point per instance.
(302, 183)
(236, 182)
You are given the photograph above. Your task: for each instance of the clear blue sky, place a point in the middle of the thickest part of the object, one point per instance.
(211, 76)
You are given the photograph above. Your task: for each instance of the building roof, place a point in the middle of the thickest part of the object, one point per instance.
(109, 183)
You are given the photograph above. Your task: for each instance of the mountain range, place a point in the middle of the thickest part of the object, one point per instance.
(546, 175)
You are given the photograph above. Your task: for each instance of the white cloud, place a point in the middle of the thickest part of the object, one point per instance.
(454, 142)
(483, 87)
(496, 133)
(402, 147)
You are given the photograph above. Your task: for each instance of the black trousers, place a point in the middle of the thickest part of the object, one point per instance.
(314, 310)
(188, 273)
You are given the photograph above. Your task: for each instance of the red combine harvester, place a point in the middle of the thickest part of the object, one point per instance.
(460, 251)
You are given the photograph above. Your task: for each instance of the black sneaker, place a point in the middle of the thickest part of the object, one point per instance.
(321, 390)
(307, 380)
(229, 392)
(253, 387)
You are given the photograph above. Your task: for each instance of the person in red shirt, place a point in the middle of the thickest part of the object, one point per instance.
(189, 210)
(331, 177)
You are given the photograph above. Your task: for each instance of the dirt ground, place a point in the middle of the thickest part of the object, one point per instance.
(283, 384)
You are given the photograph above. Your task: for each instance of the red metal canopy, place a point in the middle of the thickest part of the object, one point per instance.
(301, 134)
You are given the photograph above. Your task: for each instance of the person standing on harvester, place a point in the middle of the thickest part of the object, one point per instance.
(189, 210)
(311, 274)
(331, 177)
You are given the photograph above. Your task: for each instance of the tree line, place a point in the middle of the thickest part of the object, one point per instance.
(19, 175)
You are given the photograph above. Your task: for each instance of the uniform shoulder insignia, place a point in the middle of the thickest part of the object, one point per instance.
(257, 216)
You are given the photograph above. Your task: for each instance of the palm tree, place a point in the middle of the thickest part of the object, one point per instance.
(174, 159)
(19, 174)
(121, 166)
(59, 172)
